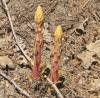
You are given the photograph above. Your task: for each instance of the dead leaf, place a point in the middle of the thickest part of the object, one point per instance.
(5, 41)
(5, 61)
(87, 56)
(95, 84)
(94, 47)
(93, 96)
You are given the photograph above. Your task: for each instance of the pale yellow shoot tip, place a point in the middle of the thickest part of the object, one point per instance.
(58, 33)
(39, 15)
(58, 36)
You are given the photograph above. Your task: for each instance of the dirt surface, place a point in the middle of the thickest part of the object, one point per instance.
(80, 52)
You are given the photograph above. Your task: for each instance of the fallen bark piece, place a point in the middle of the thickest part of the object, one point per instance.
(6, 62)
(15, 85)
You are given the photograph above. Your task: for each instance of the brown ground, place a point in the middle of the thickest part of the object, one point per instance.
(70, 14)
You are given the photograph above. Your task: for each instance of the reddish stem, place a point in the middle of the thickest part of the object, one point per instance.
(37, 59)
(54, 66)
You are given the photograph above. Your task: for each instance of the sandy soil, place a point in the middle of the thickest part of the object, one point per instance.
(80, 20)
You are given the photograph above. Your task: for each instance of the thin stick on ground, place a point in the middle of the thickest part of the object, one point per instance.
(14, 34)
(54, 86)
(15, 85)
(86, 2)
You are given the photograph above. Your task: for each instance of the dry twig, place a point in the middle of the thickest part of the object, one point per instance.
(54, 86)
(15, 85)
(13, 31)
(86, 2)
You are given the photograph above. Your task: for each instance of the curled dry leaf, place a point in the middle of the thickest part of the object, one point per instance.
(91, 55)
(86, 58)
(94, 47)
(22, 60)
